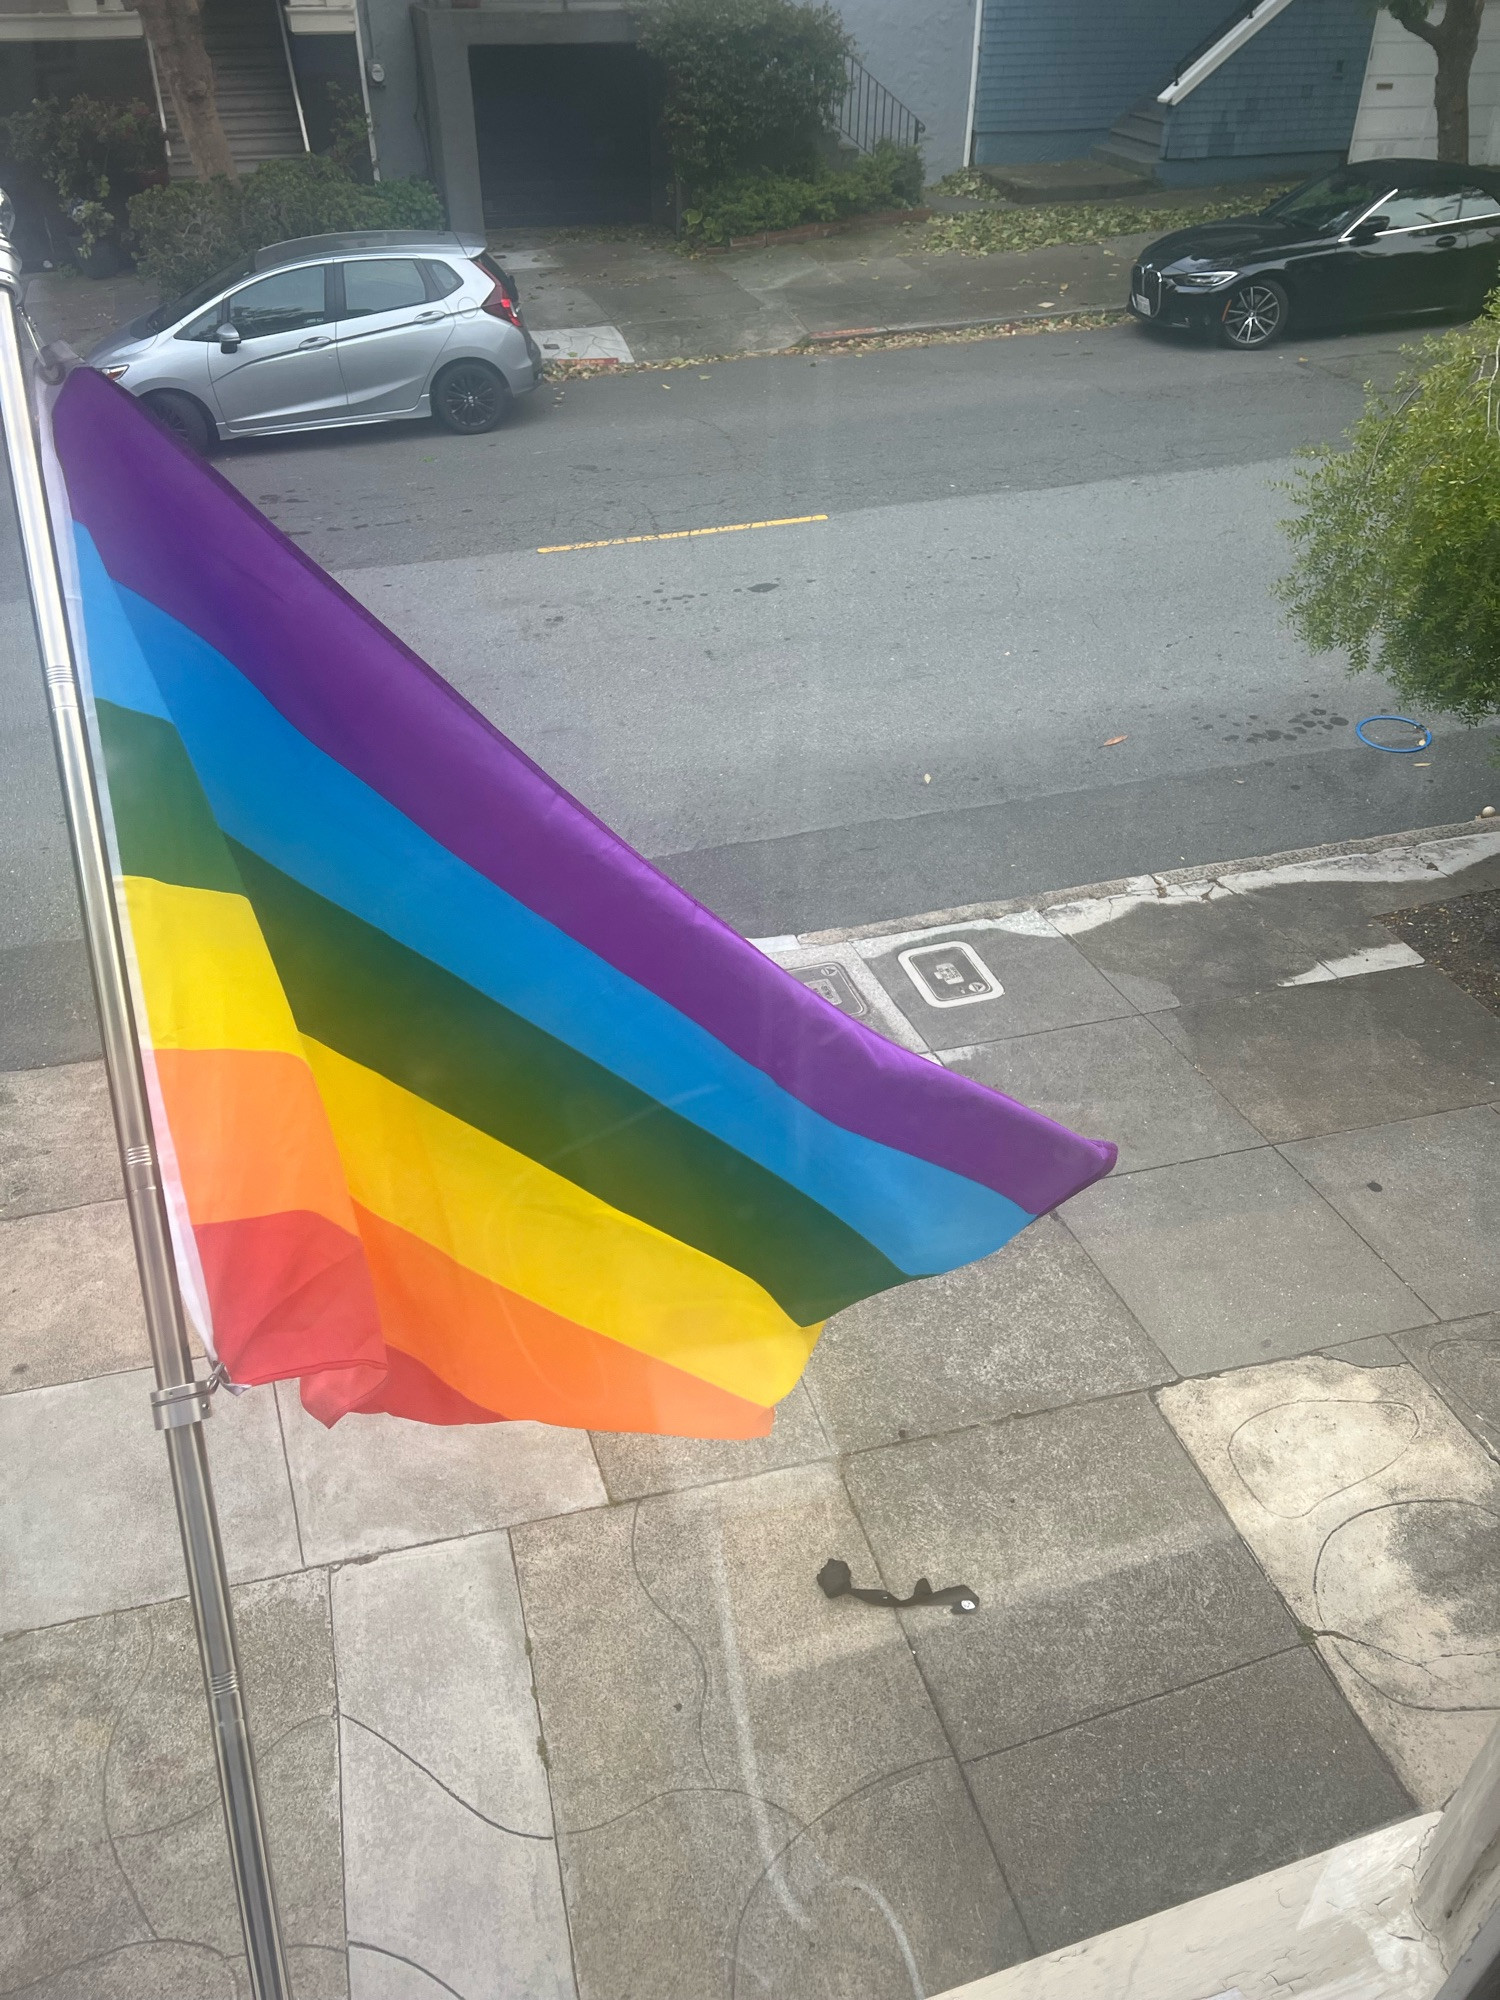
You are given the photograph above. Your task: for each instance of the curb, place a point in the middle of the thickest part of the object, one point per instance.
(999, 321)
(1203, 871)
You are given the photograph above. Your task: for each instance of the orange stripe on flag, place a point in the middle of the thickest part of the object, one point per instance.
(251, 1135)
(508, 1355)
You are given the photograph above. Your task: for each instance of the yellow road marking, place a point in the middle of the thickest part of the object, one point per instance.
(682, 534)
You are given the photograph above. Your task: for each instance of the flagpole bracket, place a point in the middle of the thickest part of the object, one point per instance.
(182, 1403)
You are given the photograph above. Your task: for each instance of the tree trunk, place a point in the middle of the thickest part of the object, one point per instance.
(174, 29)
(1453, 39)
(1460, 38)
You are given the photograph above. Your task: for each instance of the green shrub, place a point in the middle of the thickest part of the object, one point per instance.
(890, 177)
(186, 232)
(750, 84)
(1398, 536)
(91, 153)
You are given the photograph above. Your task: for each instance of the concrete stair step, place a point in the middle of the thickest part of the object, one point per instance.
(1067, 180)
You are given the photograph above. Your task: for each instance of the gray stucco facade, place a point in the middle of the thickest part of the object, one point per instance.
(923, 52)
(395, 103)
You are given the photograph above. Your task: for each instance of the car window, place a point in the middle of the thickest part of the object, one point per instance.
(1478, 203)
(444, 279)
(281, 304)
(1412, 208)
(174, 309)
(382, 284)
(1329, 204)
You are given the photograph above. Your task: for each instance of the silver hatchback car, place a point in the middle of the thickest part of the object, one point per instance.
(331, 330)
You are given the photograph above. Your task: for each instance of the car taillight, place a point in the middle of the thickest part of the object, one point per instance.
(500, 304)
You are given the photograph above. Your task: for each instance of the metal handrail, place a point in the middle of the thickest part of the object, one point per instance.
(1232, 36)
(870, 113)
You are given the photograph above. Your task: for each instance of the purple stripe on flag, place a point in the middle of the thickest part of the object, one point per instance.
(171, 529)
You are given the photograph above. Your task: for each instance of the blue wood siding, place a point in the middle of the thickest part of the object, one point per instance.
(1290, 94)
(1054, 75)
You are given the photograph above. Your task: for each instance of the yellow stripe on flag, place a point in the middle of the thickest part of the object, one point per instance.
(208, 976)
(499, 1213)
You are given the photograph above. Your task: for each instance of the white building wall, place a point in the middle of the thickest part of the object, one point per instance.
(1395, 111)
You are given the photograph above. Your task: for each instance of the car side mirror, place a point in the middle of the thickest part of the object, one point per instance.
(228, 338)
(1370, 228)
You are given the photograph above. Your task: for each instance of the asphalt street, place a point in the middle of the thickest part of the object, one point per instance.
(1033, 547)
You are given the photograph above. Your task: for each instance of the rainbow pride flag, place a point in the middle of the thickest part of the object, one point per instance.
(465, 1111)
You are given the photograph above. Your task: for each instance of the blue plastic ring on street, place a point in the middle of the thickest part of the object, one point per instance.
(1394, 749)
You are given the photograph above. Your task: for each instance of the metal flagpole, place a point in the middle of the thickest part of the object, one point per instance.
(179, 1402)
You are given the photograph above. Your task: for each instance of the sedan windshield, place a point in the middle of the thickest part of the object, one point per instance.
(1327, 205)
(176, 309)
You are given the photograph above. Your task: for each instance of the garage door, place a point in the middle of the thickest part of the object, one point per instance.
(564, 133)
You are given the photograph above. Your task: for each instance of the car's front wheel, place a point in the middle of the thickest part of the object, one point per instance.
(469, 397)
(188, 421)
(1255, 314)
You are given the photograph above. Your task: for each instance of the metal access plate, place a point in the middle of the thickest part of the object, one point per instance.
(949, 975)
(833, 984)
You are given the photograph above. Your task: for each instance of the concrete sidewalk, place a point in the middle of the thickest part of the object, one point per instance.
(545, 1715)
(665, 306)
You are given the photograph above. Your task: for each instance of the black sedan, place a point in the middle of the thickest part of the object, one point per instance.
(1381, 238)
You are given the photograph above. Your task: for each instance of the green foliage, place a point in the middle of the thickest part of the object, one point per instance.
(1038, 225)
(969, 183)
(190, 230)
(349, 140)
(92, 153)
(749, 83)
(1398, 537)
(890, 177)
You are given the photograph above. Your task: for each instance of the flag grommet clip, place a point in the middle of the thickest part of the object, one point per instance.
(183, 1403)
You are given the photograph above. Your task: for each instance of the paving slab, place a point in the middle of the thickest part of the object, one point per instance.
(375, 1483)
(1462, 1361)
(1232, 1261)
(1046, 982)
(1180, 951)
(57, 1140)
(1120, 1080)
(86, 1517)
(110, 1825)
(1425, 1194)
(731, 1755)
(1375, 1513)
(634, 1466)
(450, 1865)
(1105, 1569)
(1033, 1326)
(70, 1297)
(1162, 1802)
(1313, 1059)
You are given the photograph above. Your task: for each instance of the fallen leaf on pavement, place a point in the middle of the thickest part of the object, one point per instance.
(1111, 741)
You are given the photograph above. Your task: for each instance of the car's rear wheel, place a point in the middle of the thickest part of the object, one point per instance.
(1255, 314)
(188, 421)
(469, 397)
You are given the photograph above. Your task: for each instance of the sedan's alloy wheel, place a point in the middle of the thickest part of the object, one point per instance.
(1253, 315)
